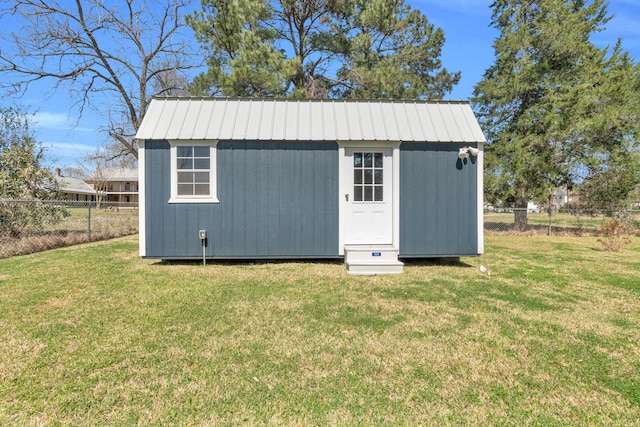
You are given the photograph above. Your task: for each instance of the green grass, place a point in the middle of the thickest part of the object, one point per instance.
(94, 335)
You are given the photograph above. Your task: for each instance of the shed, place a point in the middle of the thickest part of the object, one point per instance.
(373, 182)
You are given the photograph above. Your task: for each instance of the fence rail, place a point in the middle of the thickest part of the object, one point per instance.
(28, 226)
(578, 222)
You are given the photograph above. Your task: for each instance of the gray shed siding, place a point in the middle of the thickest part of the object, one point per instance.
(277, 199)
(438, 201)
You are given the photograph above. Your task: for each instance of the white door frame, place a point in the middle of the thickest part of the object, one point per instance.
(395, 158)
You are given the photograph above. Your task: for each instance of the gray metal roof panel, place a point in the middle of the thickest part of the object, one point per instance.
(185, 118)
(437, 120)
(163, 117)
(413, 124)
(339, 128)
(74, 185)
(116, 174)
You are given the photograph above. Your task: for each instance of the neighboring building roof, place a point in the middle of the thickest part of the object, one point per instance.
(117, 174)
(184, 118)
(73, 185)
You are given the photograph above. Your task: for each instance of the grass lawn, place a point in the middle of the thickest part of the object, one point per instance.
(94, 335)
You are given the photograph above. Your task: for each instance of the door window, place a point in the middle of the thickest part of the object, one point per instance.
(368, 177)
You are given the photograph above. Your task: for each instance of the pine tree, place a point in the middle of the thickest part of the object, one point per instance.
(319, 48)
(553, 103)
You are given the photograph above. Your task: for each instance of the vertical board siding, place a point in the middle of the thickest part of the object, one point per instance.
(438, 201)
(276, 199)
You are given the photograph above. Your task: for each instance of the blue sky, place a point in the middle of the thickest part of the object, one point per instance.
(468, 49)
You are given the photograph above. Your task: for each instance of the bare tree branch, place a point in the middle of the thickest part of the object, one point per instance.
(109, 53)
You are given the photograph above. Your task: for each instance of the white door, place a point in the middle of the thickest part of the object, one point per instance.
(368, 196)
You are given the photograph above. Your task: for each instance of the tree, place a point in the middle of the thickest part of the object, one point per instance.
(95, 167)
(100, 182)
(112, 55)
(393, 52)
(553, 103)
(22, 176)
(21, 156)
(613, 186)
(72, 172)
(319, 48)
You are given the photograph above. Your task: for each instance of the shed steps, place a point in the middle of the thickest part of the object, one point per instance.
(366, 260)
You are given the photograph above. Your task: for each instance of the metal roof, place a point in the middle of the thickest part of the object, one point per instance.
(186, 118)
(114, 175)
(73, 185)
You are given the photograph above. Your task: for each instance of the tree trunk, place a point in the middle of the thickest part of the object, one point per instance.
(520, 214)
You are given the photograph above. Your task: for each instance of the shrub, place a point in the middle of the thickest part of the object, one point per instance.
(21, 218)
(614, 235)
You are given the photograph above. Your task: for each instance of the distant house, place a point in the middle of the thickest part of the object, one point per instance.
(117, 185)
(372, 182)
(75, 189)
(562, 198)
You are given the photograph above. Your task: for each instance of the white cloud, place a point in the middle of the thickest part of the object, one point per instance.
(65, 153)
(52, 120)
(70, 147)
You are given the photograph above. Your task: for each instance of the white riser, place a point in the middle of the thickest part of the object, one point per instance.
(366, 253)
(370, 269)
(368, 257)
(372, 259)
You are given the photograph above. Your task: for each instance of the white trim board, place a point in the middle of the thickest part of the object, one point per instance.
(395, 153)
(142, 211)
(480, 195)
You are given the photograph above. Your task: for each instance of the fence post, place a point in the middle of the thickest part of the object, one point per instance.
(550, 212)
(89, 223)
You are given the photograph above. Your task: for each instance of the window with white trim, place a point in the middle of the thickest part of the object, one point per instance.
(193, 172)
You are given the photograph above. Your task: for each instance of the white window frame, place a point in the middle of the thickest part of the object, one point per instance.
(212, 197)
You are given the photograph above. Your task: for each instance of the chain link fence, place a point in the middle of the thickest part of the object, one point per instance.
(574, 222)
(28, 226)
